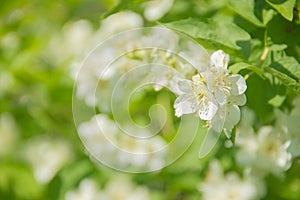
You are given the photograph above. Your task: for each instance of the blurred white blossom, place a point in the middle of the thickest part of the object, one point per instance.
(118, 188)
(87, 190)
(107, 143)
(117, 23)
(79, 37)
(47, 156)
(229, 186)
(264, 152)
(155, 9)
(289, 124)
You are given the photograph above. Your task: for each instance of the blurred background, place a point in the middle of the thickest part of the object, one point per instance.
(41, 156)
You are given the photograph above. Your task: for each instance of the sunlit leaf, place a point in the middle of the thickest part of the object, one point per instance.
(284, 7)
(245, 8)
(214, 34)
(288, 66)
(277, 100)
(237, 67)
(285, 79)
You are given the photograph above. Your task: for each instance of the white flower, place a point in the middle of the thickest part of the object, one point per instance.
(94, 68)
(97, 134)
(88, 190)
(117, 23)
(230, 186)
(228, 115)
(118, 188)
(47, 156)
(195, 99)
(121, 188)
(265, 152)
(155, 9)
(214, 94)
(289, 123)
(219, 80)
(108, 144)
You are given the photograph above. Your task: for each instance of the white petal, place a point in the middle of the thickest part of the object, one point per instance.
(218, 120)
(156, 9)
(232, 116)
(208, 110)
(238, 84)
(219, 59)
(185, 86)
(220, 96)
(239, 100)
(185, 104)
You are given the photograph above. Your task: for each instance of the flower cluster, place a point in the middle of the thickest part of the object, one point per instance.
(106, 142)
(119, 188)
(47, 156)
(214, 94)
(264, 152)
(229, 186)
(289, 124)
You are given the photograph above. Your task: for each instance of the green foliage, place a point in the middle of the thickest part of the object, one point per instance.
(214, 34)
(237, 67)
(261, 36)
(284, 7)
(17, 182)
(246, 9)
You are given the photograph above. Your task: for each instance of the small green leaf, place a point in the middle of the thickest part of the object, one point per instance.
(237, 67)
(277, 101)
(278, 47)
(268, 15)
(245, 8)
(284, 7)
(214, 34)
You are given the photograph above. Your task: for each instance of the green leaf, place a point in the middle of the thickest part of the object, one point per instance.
(289, 66)
(267, 15)
(237, 67)
(124, 5)
(245, 8)
(285, 79)
(284, 7)
(282, 31)
(214, 34)
(277, 101)
(278, 47)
